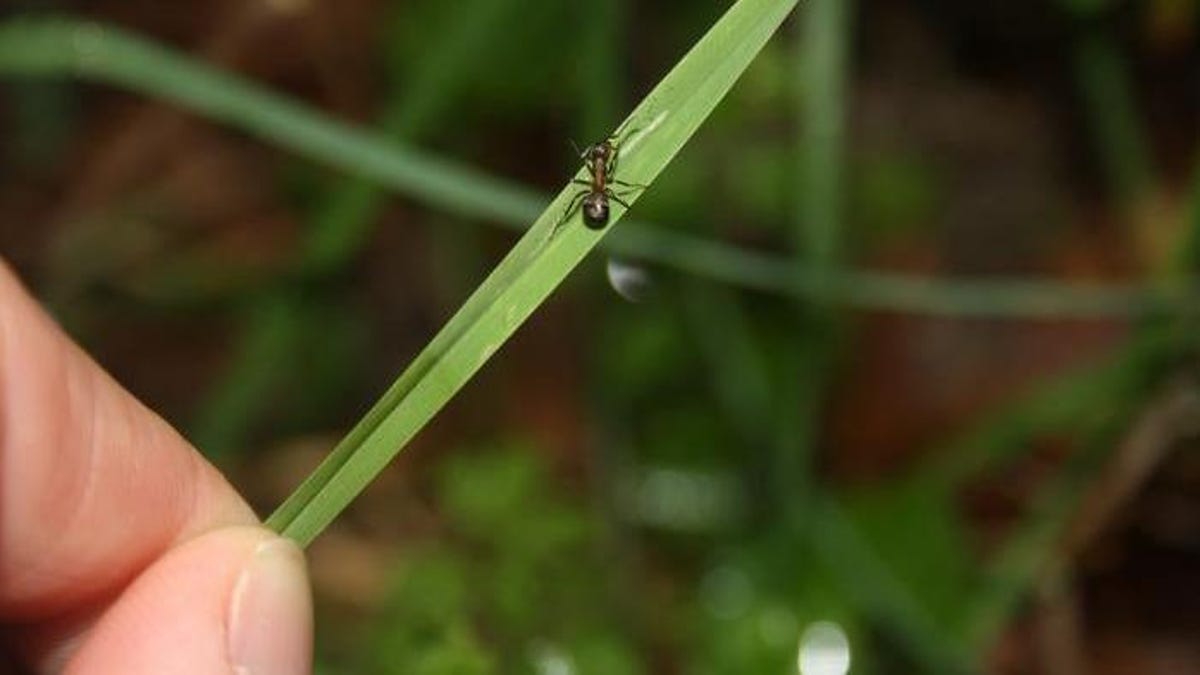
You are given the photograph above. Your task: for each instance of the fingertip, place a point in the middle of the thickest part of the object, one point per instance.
(234, 600)
(270, 625)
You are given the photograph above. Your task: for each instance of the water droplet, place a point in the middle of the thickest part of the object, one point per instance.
(550, 659)
(630, 281)
(824, 650)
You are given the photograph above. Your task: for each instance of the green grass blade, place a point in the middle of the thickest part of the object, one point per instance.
(823, 55)
(656, 130)
(823, 60)
(267, 346)
(1187, 257)
(872, 583)
(1116, 126)
(1059, 405)
(59, 47)
(602, 64)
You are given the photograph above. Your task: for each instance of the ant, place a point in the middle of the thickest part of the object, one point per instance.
(601, 162)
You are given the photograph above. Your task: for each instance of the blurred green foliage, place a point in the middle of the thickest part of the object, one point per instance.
(518, 583)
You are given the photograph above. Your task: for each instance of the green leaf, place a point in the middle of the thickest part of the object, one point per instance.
(649, 138)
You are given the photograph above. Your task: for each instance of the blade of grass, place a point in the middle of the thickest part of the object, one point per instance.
(602, 80)
(337, 230)
(823, 60)
(733, 355)
(59, 47)
(266, 348)
(1060, 405)
(876, 589)
(1187, 259)
(1034, 546)
(1116, 126)
(658, 128)
(872, 584)
(1081, 503)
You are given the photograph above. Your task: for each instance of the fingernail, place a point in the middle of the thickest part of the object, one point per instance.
(270, 623)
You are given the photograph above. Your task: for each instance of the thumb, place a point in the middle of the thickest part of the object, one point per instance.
(234, 600)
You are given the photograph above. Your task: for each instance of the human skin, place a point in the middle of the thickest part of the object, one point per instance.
(121, 549)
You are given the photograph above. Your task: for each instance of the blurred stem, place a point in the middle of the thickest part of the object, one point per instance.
(1067, 407)
(1104, 80)
(870, 583)
(1082, 501)
(344, 219)
(739, 377)
(1026, 553)
(603, 62)
(823, 62)
(733, 356)
(1187, 259)
(67, 47)
(1059, 406)
(266, 352)
(1195, 206)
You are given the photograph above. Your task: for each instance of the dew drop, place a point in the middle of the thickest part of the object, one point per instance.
(630, 281)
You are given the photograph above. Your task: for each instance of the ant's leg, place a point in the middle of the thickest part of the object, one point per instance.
(580, 181)
(615, 141)
(613, 196)
(628, 190)
(621, 133)
(574, 204)
(633, 186)
(575, 201)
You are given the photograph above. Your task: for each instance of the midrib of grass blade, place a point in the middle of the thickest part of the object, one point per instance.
(656, 130)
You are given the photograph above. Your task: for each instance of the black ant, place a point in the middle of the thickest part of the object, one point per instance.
(601, 162)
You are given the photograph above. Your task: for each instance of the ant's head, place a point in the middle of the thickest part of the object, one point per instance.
(601, 152)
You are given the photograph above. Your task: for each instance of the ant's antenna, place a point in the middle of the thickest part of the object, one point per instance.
(575, 147)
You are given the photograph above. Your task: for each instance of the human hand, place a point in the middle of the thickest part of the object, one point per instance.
(121, 549)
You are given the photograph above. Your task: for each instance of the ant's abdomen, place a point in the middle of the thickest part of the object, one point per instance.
(595, 211)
